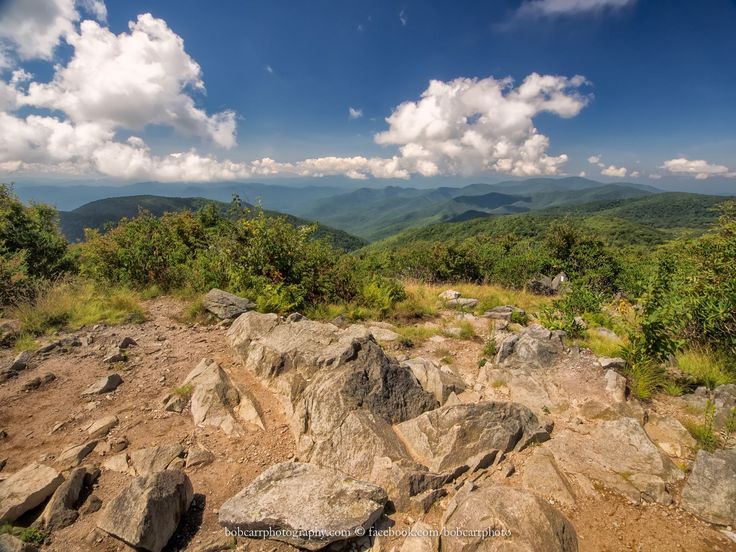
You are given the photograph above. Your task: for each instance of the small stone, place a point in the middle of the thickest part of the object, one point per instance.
(105, 384)
(126, 343)
(199, 457)
(101, 427)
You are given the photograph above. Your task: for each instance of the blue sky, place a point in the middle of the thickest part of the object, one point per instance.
(660, 86)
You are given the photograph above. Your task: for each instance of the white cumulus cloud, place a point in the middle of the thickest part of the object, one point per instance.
(698, 167)
(470, 126)
(124, 82)
(611, 170)
(131, 80)
(594, 159)
(34, 28)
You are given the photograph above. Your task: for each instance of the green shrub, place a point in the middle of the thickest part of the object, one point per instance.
(32, 248)
(278, 265)
(490, 348)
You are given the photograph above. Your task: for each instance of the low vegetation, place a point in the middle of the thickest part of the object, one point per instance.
(671, 306)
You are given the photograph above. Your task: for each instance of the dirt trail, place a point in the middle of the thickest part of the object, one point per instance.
(166, 352)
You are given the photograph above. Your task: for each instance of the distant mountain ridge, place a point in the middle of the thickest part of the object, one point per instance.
(102, 212)
(376, 214)
(647, 220)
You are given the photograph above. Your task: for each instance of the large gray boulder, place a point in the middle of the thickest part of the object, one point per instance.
(26, 489)
(522, 521)
(303, 505)
(440, 382)
(536, 346)
(710, 491)
(472, 435)
(225, 305)
(618, 454)
(340, 390)
(148, 510)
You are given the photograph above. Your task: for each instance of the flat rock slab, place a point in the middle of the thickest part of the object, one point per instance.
(710, 491)
(620, 455)
(225, 305)
(147, 512)
(26, 489)
(102, 426)
(463, 302)
(145, 461)
(523, 522)
(105, 384)
(304, 505)
(472, 435)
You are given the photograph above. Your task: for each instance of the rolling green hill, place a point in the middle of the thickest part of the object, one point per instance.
(374, 214)
(648, 220)
(101, 213)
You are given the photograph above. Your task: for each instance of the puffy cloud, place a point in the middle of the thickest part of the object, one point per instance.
(700, 168)
(655, 176)
(131, 80)
(144, 76)
(594, 159)
(354, 113)
(569, 7)
(34, 28)
(618, 172)
(467, 126)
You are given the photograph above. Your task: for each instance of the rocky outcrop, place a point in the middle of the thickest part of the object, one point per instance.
(438, 381)
(471, 435)
(722, 398)
(463, 302)
(618, 454)
(520, 522)
(148, 510)
(61, 509)
(216, 402)
(26, 489)
(536, 346)
(670, 435)
(542, 475)
(224, 305)
(303, 505)
(341, 391)
(710, 491)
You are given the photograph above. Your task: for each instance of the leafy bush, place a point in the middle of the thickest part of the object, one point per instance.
(32, 248)
(278, 265)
